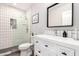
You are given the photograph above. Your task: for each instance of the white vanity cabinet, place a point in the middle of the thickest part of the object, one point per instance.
(43, 51)
(45, 47)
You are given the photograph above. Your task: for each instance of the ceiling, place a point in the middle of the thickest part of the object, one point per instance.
(22, 6)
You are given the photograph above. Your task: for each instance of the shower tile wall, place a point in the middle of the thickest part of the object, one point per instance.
(10, 37)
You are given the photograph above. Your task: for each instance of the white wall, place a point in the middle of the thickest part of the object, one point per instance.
(10, 37)
(42, 25)
(41, 9)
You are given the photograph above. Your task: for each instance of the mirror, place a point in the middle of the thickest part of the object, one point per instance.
(60, 15)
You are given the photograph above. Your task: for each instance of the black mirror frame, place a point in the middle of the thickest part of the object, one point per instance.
(58, 26)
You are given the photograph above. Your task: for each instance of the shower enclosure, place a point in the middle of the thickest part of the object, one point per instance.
(13, 27)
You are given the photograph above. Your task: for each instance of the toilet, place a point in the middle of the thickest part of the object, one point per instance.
(25, 49)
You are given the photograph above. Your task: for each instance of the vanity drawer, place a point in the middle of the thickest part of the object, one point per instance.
(59, 49)
(64, 51)
(40, 50)
(49, 45)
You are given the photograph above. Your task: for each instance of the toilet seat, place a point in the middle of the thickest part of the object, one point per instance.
(24, 46)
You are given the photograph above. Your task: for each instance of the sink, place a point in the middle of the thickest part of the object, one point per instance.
(70, 41)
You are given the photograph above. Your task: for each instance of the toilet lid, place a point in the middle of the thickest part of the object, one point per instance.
(24, 46)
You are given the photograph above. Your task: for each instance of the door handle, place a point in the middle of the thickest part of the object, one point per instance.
(46, 45)
(36, 41)
(39, 51)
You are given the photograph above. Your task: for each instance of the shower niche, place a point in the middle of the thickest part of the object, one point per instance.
(13, 23)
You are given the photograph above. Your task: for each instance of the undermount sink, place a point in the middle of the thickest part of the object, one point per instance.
(70, 41)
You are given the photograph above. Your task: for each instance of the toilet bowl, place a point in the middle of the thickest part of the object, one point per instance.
(25, 49)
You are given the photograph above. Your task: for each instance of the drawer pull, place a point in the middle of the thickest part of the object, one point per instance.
(64, 53)
(36, 55)
(39, 51)
(36, 41)
(46, 45)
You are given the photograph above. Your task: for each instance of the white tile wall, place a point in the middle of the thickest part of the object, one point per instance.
(9, 37)
(70, 33)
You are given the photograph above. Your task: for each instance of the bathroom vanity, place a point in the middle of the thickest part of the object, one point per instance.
(49, 45)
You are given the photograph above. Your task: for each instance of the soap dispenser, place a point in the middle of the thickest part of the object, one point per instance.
(64, 34)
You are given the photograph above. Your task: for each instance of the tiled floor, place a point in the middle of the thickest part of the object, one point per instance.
(15, 54)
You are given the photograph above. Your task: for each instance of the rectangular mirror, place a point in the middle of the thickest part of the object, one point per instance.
(60, 15)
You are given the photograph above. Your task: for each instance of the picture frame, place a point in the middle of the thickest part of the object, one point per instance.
(35, 18)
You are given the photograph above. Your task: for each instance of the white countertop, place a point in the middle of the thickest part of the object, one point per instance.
(60, 39)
